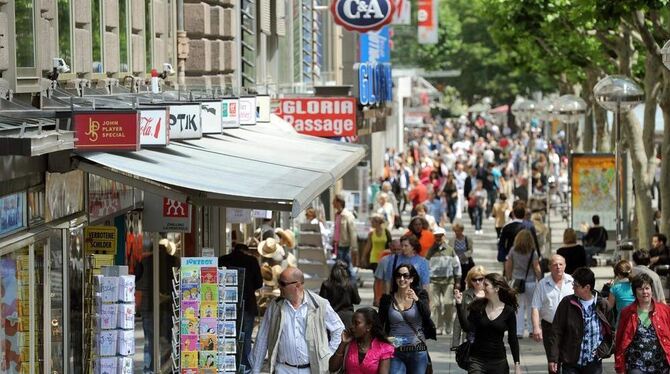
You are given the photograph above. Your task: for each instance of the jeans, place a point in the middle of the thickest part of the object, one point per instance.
(247, 328)
(442, 303)
(595, 367)
(344, 254)
(148, 327)
(451, 209)
(409, 362)
(478, 213)
(479, 366)
(524, 311)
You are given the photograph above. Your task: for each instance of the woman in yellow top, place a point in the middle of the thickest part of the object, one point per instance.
(379, 240)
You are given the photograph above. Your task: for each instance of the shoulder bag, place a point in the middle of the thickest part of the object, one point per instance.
(519, 285)
(429, 367)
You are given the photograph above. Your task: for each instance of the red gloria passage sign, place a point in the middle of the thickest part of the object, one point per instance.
(326, 117)
(106, 131)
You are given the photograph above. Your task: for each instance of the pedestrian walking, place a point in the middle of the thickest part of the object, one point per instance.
(548, 294)
(574, 254)
(445, 272)
(365, 348)
(451, 195)
(299, 331)
(543, 235)
(409, 255)
(621, 294)
(475, 290)
(405, 315)
(489, 319)
(641, 260)
(642, 337)
(341, 292)
(418, 226)
(523, 270)
(379, 239)
(582, 331)
(470, 185)
(512, 227)
(382, 268)
(385, 209)
(463, 248)
(480, 197)
(345, 239)
(499, 213)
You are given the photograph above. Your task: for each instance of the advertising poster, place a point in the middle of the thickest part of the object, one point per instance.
(230, 114)
(12, 213)
(185, 122)
(210, 117)
(64, 194)
(593, 189)
(106, 131)
(324, 117)
(247, 110)
(154, 127)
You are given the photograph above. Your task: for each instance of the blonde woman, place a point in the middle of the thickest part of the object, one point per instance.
(475, 289)
(523, 269)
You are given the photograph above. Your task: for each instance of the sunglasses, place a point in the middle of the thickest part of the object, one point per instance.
(286, 284)
(477, 280)
(403, 275)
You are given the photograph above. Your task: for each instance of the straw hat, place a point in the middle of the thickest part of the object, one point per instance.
(286, 237)
(269, 247)
(275, 272)
(170, 247)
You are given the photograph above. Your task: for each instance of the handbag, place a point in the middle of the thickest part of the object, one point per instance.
(463, 354)
(429, 367)
(519, 285)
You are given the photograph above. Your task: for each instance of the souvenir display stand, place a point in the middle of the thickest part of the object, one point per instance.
(208, 305)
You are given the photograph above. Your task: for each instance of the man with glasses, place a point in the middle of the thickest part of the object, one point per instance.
(548, 294)
(295, 329)
(581, 328)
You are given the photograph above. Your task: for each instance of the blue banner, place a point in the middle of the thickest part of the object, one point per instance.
(375, 46)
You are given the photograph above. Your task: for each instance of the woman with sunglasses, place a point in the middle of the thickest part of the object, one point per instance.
(364, 349)
(489, 319)
(405, 315)
(475, 283)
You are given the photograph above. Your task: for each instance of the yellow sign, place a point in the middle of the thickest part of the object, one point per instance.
(100, 239)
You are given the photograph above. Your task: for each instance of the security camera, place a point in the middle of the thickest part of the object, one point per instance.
(168, 68)
(60, 65)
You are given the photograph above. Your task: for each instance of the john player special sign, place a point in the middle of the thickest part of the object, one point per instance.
(106, 131)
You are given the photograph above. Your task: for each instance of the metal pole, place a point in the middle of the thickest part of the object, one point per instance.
(547, 137)
(617, 167)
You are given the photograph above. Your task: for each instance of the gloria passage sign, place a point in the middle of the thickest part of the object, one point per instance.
(106, 131)
(324, 116)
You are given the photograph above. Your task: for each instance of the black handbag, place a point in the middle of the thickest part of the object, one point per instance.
(463, 354)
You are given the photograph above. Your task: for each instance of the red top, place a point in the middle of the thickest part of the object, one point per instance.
(660, 318)
(418, 194)
(378, 351)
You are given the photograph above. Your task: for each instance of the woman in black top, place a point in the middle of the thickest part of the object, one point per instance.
(341, 292)
(489, 318)
(574, 254)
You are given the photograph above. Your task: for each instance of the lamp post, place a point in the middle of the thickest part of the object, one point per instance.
(618, 94)
(569, 109)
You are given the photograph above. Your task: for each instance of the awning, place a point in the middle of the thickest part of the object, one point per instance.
(251, 167)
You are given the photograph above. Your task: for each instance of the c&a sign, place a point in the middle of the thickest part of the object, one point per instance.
(106, 131)
(362, 15)
(320, 116)
(374, 83)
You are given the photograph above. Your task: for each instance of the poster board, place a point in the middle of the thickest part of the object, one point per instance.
(593, 189)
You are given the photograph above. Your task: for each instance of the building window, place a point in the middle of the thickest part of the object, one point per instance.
(25, 32)
(248, 32)
(96, 37)
(148, 35)
(123, 37)
(64, 37)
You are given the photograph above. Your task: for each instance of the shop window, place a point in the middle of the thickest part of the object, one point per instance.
(96, 36)
(123, 36)
(56, 294)
(64, 28)
(25, 33)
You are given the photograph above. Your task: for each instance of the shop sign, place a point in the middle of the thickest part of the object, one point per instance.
(247, 110)
(210, 117)
(375, 46)
(106, 131)
(230, 114)
(162, 214)
(100, 239)
(64, 194)
(185, 122)
(263, 108)
(154, 127)
(362, 15)
(320, 116)
(262, 214)
(427, 22)
(13, 213)
(374, 83)
(403, 12)
(238, 215)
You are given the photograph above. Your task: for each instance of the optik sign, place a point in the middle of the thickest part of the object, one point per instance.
(362, 15)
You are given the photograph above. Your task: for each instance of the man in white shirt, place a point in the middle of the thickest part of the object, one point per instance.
(548, 294)
(294, 330)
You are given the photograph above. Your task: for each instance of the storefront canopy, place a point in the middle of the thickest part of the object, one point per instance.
(251, 167)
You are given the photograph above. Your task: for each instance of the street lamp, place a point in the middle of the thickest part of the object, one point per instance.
(618, 94)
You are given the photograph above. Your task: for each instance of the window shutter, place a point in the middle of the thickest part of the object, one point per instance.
(280, 17)
(264, 15)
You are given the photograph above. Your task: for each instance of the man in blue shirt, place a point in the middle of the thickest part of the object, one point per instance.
(409, 255)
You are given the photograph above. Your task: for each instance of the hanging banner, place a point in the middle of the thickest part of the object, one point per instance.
(185, 122)
(210, 117)
(162, 214)
(100, 239)
(403, 12)
(362, 15)
(263, 109)
(320, 116)
(375, 46)
(428, 21)
(247, 110)
(154, 127)
(230, 114)
(106, 131)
